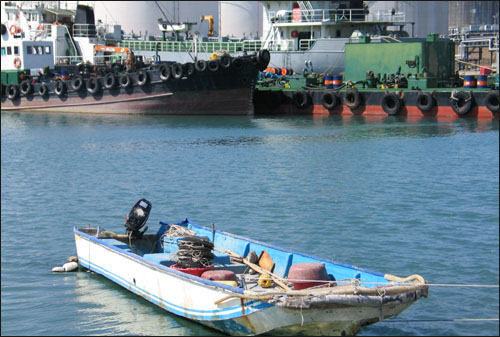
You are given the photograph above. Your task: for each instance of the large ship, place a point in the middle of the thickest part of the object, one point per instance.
(58, 59)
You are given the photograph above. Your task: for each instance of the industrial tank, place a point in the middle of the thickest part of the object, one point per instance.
(240, 18)
(465, 13)
(429, 16)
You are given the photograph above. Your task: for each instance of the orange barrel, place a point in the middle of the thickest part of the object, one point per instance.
(482, 81)
(469, 81)
(329, 81)
(337, 81)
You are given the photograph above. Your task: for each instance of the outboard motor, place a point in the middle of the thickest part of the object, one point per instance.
(137, 218)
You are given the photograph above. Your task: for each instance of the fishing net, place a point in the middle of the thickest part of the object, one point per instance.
(194, 252)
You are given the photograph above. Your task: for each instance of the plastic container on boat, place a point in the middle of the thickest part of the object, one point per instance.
(192, 271)
(337, 81)
(219, 275)
(482, 81)
(303, 275)
(469, 81)
(329, 81)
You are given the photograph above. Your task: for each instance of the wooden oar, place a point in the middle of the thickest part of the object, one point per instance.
(257, 268)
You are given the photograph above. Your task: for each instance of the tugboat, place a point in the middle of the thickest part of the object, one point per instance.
(57, 60)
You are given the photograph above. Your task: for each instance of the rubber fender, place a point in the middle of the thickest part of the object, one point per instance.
(125, 81)
(142, 77)
(189, 68)
(110, 81)
(43, 90)
(12, 91)
(26, 87)
(93, 85)
(352, 98)
(425, 101)
(77, 83)
(225, 61)
(461, 102)
(237, 63)
(69, 266)
(301, 98)
(200, 65)
(176, 70)
(491, 101)
(60, 88)
(213, 65)
(329, 100)
(164, 72)
(263, 58)
(391, 103)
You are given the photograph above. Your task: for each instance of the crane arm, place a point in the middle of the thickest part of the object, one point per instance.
(210, 20)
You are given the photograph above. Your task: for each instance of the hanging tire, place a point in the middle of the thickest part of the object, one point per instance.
(110, 81)
(200, 65)
(352, 98)
(60, 88)
(125, 81)
(177, 70)
(12, 91)
(237, 63)
(77, 83)
(391, 103)
(142, 77)
(188, 69)
(164, 72)
(461, 103)
(225, 61)
(26, 87)
(93, 85)
(329, 100)
(301, 98)
(491, 101)
(425, 101)
(43, 90)
(263, 58)
(213, 65)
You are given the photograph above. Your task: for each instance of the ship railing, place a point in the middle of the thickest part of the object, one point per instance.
(189, 46)
(84, 30)
(333, 15)
(306, 44)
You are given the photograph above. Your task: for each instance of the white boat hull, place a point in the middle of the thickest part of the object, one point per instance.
(190, 297)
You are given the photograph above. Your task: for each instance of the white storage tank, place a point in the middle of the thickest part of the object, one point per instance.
(429, 16)
(241, 18)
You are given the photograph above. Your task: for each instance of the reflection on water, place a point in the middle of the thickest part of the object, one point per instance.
(108, 309)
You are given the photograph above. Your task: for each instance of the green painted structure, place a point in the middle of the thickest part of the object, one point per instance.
(425, 63)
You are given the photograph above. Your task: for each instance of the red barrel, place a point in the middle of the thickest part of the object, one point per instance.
(219, 275)
(192, 271)
(307, 271)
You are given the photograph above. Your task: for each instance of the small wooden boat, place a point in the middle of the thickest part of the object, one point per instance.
(240, 286)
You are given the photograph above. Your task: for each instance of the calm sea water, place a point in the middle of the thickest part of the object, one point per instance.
(386, 195)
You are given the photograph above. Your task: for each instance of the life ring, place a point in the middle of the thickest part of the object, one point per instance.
(213, 65)
(40, 27)
(461, 102)
(43, 90)
(125, 81)
(77, 83)
(14, 30)
(425, 101)
(329, 100)
(391, 103)
(200, 66)
(26, 87)
(491, 101)
(142, 77)
(93, 85)
(17, 62)
(12, 91)
(225, 61)
(60, 88)
(176, 70)
(352, 98)
(110, 81)
(189, 68)
(301, 98)
(164, 72)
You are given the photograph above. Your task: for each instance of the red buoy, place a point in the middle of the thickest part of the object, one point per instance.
(307, 271)
(219, 275)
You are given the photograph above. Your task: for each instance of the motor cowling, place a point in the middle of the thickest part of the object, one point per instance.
(137, 218)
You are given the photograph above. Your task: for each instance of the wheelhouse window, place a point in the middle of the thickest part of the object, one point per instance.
(47, 49)
(29, 50)
(3, 50)
(9, 51)
(16, 50)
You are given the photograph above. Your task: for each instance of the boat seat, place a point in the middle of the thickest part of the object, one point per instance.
(161, 258)
(117, 244)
